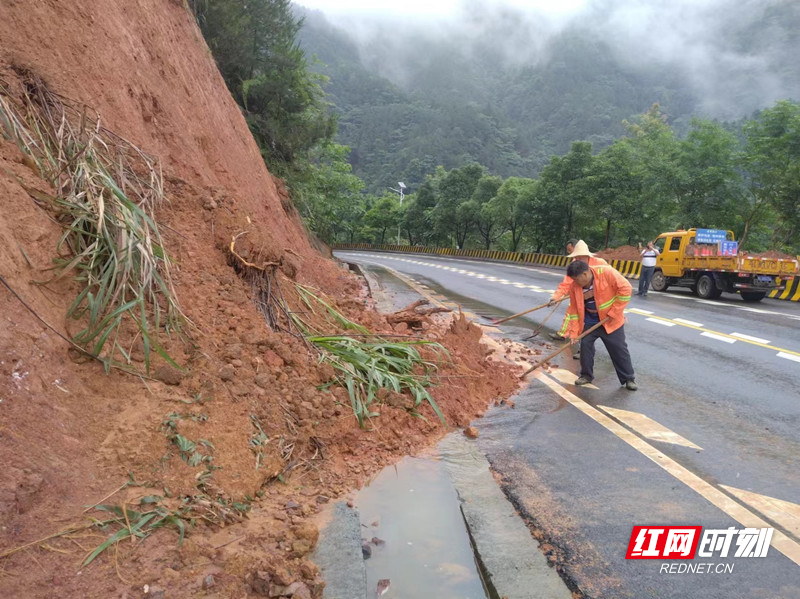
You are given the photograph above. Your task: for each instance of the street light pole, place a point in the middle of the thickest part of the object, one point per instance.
(401, 191)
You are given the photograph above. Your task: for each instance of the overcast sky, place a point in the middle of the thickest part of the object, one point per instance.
(437, 8)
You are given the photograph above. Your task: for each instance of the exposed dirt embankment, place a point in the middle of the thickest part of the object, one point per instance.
(245, 436)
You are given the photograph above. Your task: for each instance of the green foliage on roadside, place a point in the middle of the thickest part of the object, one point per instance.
(520, 159)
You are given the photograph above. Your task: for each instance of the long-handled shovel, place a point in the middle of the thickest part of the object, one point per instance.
(558, 351)
(538, 329)
(529, 310)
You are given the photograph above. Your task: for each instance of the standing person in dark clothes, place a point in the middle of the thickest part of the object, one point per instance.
(598, 292)
(649, 256)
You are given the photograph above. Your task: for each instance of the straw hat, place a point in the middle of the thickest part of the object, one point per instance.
(580, 249)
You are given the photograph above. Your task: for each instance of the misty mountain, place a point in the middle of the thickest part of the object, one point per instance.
(508, 89)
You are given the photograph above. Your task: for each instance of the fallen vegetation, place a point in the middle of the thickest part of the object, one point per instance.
(106, 192)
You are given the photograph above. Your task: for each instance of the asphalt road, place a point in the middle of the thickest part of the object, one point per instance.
(711, 438)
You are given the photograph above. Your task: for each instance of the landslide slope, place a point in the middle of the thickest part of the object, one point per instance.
(73, 436)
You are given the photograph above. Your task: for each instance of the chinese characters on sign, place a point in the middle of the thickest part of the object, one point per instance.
(681, 542)
(710, 235)
(728, 248)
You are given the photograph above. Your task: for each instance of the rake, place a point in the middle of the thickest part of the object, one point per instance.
(538, 329)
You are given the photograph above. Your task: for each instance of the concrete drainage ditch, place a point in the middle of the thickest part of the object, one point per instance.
(435, 526)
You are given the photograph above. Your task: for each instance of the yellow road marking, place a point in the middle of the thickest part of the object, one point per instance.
(568, 378)
(724, 502)
(783, 512)
(648, 427)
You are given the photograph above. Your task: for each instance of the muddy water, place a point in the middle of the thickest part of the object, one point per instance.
(413, 508)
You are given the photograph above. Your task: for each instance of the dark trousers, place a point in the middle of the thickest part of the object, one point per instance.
(645, 278)
(617, 349)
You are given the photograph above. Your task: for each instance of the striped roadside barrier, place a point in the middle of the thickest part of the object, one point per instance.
(629, 268)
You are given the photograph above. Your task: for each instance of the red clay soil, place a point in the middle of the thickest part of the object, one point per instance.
(72, 436)
(623, 252)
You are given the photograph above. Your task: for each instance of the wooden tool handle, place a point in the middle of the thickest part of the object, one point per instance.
(555, 353)
(529, 310)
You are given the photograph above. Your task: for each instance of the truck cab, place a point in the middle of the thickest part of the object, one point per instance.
(709, 263)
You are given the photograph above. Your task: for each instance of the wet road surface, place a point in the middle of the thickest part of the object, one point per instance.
(711, 438)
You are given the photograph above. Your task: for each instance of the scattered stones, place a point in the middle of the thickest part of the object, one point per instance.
(233, 352)
(471, 432)
(323, 499)
(227, 372)
(168, 375)
(383, 586)
(366, 550)
(378, 542)
(260, 582)
(265, 381)
(208, 582)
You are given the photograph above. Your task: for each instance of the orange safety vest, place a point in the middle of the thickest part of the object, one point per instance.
(563, 287)
(612, 292)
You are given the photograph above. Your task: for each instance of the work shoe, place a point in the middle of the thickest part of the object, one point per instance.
(631, 385)
(555, 336)
(582, 380)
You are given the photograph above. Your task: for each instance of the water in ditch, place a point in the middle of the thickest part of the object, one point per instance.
(411, 518)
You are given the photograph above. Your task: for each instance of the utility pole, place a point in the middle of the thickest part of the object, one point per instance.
(401, 191)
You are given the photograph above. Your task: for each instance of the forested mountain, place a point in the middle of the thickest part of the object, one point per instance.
(509, 90)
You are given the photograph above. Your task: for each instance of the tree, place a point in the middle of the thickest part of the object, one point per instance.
(615, 194)
(417, 213)
(487, 226)
(710, 188)
(254, 45)
(655, 163)
(382, 217)
(772, 156)
(513, 206)
(563, 186)
(454, 189)
(329, 195)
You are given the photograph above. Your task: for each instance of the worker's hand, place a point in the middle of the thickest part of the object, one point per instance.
(552, 301)
(573, 340)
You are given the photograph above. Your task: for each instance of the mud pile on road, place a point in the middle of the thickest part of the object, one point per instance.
(623, 252)
(244, 443)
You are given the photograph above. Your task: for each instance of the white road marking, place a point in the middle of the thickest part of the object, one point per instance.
(649, 428)
(721, 500)
(689, 322)
(788, 356)
(664, 322)
(783, 512)
(749, 338)
(718, 337)
(563, 375)
(710, 303)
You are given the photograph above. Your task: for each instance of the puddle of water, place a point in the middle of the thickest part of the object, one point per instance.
(415, 510)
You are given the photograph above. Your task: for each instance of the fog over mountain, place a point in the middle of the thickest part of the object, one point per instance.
(738, 56)
(542, 79)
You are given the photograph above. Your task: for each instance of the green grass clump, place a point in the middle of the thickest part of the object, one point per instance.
(106, 193)
(364, 367)
(365, 363)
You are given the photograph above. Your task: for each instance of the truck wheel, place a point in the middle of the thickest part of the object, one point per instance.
(753, 296)
(659, 281)
(706, 288)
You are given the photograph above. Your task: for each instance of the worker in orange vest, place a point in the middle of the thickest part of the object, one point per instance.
(597, 292)
(577, 250)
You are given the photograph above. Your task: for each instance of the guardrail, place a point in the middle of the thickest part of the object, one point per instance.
(630, 268)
